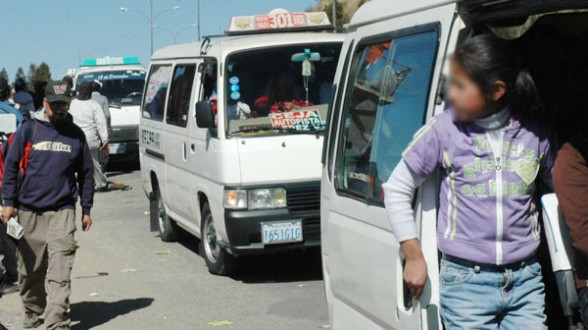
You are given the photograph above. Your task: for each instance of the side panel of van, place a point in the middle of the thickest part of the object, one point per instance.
(177, 141)
(385, 93)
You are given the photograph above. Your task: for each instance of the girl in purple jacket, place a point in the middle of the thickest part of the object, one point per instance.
(489, 150)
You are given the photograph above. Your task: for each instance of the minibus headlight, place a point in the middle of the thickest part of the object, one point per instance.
(235, 199)
(273, 198)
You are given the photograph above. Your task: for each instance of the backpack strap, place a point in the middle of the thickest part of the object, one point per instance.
(30, 135)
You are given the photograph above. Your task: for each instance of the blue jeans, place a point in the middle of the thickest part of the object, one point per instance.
(472, 298)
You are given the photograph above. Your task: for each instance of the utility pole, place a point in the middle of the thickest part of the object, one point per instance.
(198, 23)
(335, 14)
(151, 24)
(150, 18)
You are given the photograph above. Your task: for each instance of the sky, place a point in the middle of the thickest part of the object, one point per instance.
(60, 32)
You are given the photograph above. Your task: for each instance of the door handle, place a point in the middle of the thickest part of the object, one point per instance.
(193, 147)
(406, 292)
(184, 156)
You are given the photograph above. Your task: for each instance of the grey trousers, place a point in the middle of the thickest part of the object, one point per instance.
(100, 180)
(46, 258)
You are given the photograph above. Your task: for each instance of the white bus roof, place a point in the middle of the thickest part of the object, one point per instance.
(227, 44)
(377, 10)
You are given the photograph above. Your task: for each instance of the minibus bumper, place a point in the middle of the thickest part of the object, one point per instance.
(244, 231)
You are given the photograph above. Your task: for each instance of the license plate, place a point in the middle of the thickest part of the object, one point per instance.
(281, 232)
(117, 148)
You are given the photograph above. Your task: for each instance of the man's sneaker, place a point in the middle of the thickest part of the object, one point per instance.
(31, 321)
(8, 288)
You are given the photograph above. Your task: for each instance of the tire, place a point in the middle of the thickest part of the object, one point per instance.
(218, 261)
(168, 229)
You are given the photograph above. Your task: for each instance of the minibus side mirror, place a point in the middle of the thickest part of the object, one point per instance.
(204, 114)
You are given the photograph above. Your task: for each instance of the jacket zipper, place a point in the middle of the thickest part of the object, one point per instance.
(497, 155)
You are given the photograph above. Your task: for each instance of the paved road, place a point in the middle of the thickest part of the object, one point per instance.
(126, 278)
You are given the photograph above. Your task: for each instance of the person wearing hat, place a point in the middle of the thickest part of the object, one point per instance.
(23, 98)
(47, 168)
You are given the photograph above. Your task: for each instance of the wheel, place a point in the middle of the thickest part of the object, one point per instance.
(168, 229)
(218, 261)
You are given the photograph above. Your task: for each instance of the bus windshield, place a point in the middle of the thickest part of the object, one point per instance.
(282, 90)
(122, 88)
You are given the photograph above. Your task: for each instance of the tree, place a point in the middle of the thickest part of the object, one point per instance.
(4, 74)
(345, 9)
(38, 75)
(31, 74)
(19, 74)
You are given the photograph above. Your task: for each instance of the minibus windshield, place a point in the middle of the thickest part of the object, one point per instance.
(283, 90)
(122, 88)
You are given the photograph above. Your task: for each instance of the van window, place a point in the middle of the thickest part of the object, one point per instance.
(385, 105)
(208, 89)
(268, 92)
(180, 94)
(156, 92)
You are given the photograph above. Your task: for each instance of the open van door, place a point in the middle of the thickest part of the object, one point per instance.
(386, 88)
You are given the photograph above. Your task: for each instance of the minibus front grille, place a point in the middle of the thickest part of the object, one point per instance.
(301, 199)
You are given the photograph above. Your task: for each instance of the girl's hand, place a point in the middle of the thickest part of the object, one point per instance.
(415, 276)
(415, 270)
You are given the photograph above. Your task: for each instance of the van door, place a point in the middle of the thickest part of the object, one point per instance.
(204, 157)
(383, 97)
(177, 141)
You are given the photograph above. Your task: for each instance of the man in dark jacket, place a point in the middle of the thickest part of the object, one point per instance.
(47, 167)
(570, 180)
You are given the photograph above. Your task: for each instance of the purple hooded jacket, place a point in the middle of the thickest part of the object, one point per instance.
(487, 209)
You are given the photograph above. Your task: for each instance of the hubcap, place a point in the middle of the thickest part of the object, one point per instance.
(211, 247)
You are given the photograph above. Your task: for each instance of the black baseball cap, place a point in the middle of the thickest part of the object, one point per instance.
(58, 91)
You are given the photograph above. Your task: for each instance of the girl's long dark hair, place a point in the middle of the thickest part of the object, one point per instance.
(486, 59)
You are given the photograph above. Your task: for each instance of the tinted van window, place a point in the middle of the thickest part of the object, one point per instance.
(180, 93)
(385, 105)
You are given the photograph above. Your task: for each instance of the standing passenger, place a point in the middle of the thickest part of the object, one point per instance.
(489, 149)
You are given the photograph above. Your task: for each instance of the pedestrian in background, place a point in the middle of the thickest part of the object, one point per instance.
(48, 166)
(88, 115)
(103, 101)
(5, 105)
(69, 81)
(7, 245)
(570, 180)
(23, 98)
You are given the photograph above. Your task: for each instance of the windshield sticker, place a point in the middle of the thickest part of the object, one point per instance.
(234, 80)
(235, 96)
(304, 120)
(104, 76)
